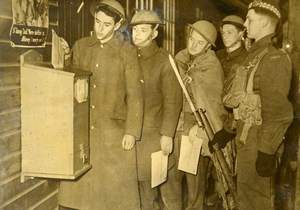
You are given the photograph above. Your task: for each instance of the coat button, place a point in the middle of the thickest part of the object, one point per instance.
(94, 86)
(92, 127)
(93, 107)
(97, 65)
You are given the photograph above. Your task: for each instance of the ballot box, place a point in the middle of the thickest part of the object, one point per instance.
(54, 119)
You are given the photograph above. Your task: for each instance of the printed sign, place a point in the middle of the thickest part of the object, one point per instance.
(30, 23)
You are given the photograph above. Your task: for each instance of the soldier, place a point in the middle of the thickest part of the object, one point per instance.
(262, 107)
(232, 31)
(163, 103)
(203, 76)
(115, 116)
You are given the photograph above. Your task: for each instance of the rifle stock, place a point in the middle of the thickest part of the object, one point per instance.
(219, 154)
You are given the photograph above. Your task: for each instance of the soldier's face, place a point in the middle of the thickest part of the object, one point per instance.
(141, 35)
(230, 34)
(196, 43)
(253, 25)
(104, 25)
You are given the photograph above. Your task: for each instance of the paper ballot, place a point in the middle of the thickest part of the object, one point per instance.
(159, 168)
(189, 154)
(57, 54)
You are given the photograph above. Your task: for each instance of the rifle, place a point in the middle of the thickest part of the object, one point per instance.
(203, 123)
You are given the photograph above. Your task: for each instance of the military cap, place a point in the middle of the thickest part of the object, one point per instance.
(268, 5)
(206, 29)
(145, 17)
(113, 5)
(233, 20)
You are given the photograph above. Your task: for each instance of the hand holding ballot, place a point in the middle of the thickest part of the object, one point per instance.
(65, 47)
(60, 51)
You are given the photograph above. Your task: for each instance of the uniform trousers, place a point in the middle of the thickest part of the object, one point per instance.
(253, 191)
(170, 192)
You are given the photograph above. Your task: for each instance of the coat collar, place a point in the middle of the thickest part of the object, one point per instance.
(115, 42)
(148, 52)
(235, 53)
(262, 43)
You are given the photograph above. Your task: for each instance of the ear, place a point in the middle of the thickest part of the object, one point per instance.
(154, 34)
(208, 46)
(241, 33)
(264, 21)
(118, 25)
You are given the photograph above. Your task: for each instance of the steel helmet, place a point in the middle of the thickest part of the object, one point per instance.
(112, 4)
(206, 29)
(145, 17)
(233, 20)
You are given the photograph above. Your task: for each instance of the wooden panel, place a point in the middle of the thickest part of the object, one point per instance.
(10, 54)
(13, 187)
(6, 8)
(33, 196)
(47, 120)
(5, 26)
(9, 98)
(53, 11)
(10, 121)
(10, 143)
(51, 202)
(9, 75)
(10, 166)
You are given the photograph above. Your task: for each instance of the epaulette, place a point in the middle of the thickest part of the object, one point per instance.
(286, 54)
(164, 52)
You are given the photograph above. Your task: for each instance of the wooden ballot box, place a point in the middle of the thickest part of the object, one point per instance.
(54, 119)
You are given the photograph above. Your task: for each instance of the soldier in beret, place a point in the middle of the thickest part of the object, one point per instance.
(262, 108)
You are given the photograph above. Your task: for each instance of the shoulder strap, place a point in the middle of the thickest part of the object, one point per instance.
(255, 63)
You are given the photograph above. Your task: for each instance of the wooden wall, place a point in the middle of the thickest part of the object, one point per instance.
(34, 193)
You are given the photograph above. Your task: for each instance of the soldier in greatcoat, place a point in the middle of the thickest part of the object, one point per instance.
(163, 103)
(116, 111)
(262, 108)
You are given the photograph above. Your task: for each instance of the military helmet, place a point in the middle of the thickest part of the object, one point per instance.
(233, 20)
(112, 4)
(145, 17)
(206, 29)
(268, 5)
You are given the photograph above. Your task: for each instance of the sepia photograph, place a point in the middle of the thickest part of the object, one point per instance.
(149, 105)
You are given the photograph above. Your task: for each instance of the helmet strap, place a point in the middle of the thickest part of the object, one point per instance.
(151, 36)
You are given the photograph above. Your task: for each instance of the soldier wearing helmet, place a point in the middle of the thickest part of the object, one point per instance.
(232, 31)
(116, 110)
(260, 132)
(203, 76)
(162, 106)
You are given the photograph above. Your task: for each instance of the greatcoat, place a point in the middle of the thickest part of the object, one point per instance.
(163, 103)
(116, 109)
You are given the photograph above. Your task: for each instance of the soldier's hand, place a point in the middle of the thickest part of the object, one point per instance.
(166, 144)
(128, 142)
(221, 138)
(65, 47)
(265, 164)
